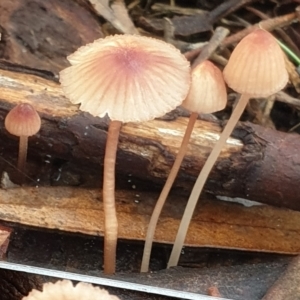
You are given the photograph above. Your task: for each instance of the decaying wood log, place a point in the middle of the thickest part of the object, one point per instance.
(216, 224)
(259, 164)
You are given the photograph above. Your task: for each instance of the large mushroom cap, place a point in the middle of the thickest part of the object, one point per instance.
(256, 66)
(208, 92)
(64, 290)
(131, 78)
(23, 120)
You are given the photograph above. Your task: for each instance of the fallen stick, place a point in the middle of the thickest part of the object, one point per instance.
(259, 164)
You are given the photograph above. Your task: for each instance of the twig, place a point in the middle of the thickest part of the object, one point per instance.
(297, 10)
(280, 31)
(117, 15)
(227, 8)
(285, 98)
(169, 37)
(220, 60)
(169, 30)
(293, 74)
(163, 8)
(294, 127)
(120, 12)
(266, 111)
(268, 25)
(217, 38)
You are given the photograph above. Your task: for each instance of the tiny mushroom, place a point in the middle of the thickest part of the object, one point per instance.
(64, 290)
(131, 79)
(256, 68)
(22, 121)
(207, 94)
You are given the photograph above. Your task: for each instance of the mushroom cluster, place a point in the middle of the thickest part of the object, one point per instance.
(133, 79)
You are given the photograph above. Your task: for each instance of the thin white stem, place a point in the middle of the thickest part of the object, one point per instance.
(110, 215)
(197, 189)
(23, 144)
(165, 192)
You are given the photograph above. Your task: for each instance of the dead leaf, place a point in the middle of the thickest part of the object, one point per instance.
(117, 15)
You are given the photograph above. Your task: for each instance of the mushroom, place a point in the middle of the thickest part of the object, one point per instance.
(64, 290)
(207, 94)
(22, 121)
(131, 79)
(256, 68)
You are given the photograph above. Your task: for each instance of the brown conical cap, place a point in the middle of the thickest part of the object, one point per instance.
(23, 120)
(131, 78)
(256, 65)
(208, 92)
(64, 290)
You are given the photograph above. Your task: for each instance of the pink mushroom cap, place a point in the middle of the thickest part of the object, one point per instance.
(256, 65)
(208, 92)
(128, 77)
(23, 120)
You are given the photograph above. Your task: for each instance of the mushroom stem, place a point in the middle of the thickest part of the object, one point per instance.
(165, 191)
(110, 216)
(197, 189)
(23, 144)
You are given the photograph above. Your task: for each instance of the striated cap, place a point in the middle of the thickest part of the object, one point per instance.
(128, 77)
(23, 120)
(64, 290)
(208, 92)
(256, 65)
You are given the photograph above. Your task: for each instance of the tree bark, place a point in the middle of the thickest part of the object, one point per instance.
(258, 163)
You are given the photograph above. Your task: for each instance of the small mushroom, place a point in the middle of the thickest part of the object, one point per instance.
(256, 68)
(207, 95)
(22, 121)
(64, 290)
(131, 79)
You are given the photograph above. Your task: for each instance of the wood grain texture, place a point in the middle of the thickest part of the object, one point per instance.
(215, 223)
(258, 164)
